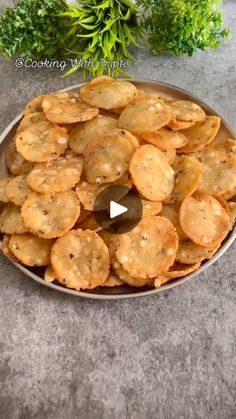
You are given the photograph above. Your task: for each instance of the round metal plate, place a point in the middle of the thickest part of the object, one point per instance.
(125, 291)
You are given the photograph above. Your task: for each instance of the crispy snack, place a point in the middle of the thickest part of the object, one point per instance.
(186, 111)
(107, 159)
(116, 135)
(91, 223)
(190, 252)
(133, 140)
(223, 202)
(113, 244)
(80, 259)
(62, 108)
(165, 139)
(49, 274)
(57, 175)
(68, 127)
(15, 161)
(106, 93)
(151, 173)
(30, 250)
(158, 95)
(218, 178)
(179, 125)
(111, 241)
(144, 116)
(172, 213)
(151, 208)
(218, 162)
(127, 278)
(112, 281)
(54, 99)
(70, 113)
(201, 134)
(187, 178)
(204, 220)
(84, 132)
(29, 120)
(3, 184)
(17, 190)
(50, 215)
(151, 95)
(227, 146)
(148, 208)
(230, 194)
(176, 271)
(83, 215)
(11, 221)
(117, 111)
(4, 246)
(170, 155)
(154, 240)
(232, 214)
(42, 142)
(35, 105)
(88, 193)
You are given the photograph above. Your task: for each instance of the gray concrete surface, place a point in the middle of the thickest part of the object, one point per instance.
(169, 356)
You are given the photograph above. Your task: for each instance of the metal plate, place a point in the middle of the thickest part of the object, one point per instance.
(125, 291)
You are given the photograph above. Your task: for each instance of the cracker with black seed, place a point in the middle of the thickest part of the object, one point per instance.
(188, 174)
(204, 220)
(17, 190)
(144, 116)
(176, 271)
(42, 142)
(57, 175)
(62, 108)
(50, 215)
(80, 259)
(11, 221)
(107, 159)
(149, 249)
(30, 249)
(201, 134)
(3, 184)
(107, 93)
(15, 162)
(84, 132)
(151, 173)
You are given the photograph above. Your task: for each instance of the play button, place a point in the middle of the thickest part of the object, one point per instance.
(117, 209)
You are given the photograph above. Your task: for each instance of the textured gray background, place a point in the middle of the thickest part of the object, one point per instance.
(169, 356)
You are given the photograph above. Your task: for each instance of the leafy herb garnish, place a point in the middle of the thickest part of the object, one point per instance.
(177, 27)
(101, 29)
(32, 29)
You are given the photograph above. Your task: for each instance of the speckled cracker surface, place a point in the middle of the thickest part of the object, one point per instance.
(50, 215)
(80, 259)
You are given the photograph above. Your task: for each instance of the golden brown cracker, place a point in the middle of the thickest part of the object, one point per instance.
(80, 259)
(50, 215)
(151, 173)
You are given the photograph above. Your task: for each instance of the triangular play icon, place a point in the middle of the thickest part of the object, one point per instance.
(116, 209)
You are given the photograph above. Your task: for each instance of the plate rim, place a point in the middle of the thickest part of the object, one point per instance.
(143, 293)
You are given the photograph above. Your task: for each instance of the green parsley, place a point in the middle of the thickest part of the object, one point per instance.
(177, 27)
(32, 29)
